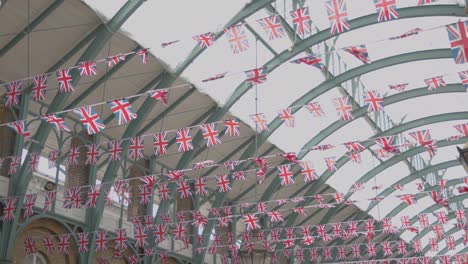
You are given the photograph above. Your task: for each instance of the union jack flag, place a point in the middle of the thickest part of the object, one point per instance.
(285, 115)
(136, 148)
(63, 244)
(337, 15)
(179, 231)
(183, 188)
(122, 110)
(21, 128)
(184, 139)
(232, 127)
(434, 82)
(65, 81)
(387, 10)
(93, 195)
(164, 191)
(272, 27)
(114, 60)
(160, 143)
(13, 93)
(458, 37)
(398, 87)
(82, 242)
(160, 233)
(49, 199)
(205, 40)
(237, 38)
(355, 157)
(251, 222)
(145, 194)
(331, 164)
(120, 239)
(33, 162)
(200, 186)
(101, 241)
(115, 150)
(408, 198)
(360, 52)
(315, 109)
(344, 108)
(56, 121)
(87, 68)
(90, 119)
(160, 95)
(301, 21)
(239, 175)
(275, 216)
(210, 134)
(216, 77)
(311, 60)
(464, 78)
(203, 164)
(387, 144)
(30, 246)
(165, 44)
(29, 202)
(143, 53)
(15, 161)
(72, 198)
(9, 208)
(412, 32)
(256, 76)
(423, 138)
(285, 174)
(354, 146)
(374, 101)
(93, 154)
(223, 183)
(49, 244)
(175, 175)
(260, 122)
(39, 87)
(462, 129)
(73, 155)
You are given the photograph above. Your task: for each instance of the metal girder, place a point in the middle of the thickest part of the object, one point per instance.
(30, 27)
(103, 35)
(324, 133)
(397, 129)
(260, 38)
(392, 161)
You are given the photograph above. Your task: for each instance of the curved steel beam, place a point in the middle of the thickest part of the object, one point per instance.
(395, 130)
(324, 133)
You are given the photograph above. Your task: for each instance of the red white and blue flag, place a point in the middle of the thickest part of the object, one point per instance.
(423, 2)
(286, 116)
(223, 183)
(386, 9)
(423, 138)
(237, 38)
(164, 191)
(93, 195)
(210, 134)
(458, 37)
(260, 122)
(301, 21)
(387, 144)
(216, 77)
(165, 44)
(311, 60)
(92, 154)
(136, 148)
(398, 87)
(120, 239)
(87, 68)
(49, 199)
(205, 40)
(90, 119)
(39, 87)
(83, 242)
(140, 236)
(143, 53)
(343, 108)
(56, 121)
(435, 83)
(184, 139)
(272, 26)
(285, 174)
(232, 127)
(251, 222)
(412, 32)
(115, 150)
(462, 129)
(122, 110)
(33, 162)
(183, 188)
(9, 208)
(315, 109)
(308, 171)
(63, 244)
(464, 78)
(15, 161)
(53, 158)
(13, 92)
(20, 127)
(360, 52)
(160, 143)
(159, 95)
(114, 60)
(64, 80)
(374, 101)
(331, 164)
(256, 76)
(200, 186)
(337, 15)
(30, 246)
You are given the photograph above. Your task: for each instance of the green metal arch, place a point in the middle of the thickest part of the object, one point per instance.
(423, 91)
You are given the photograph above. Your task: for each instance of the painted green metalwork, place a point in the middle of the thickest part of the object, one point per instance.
(30, 27)
(423, 91)
(103, 35)
(259, 38)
